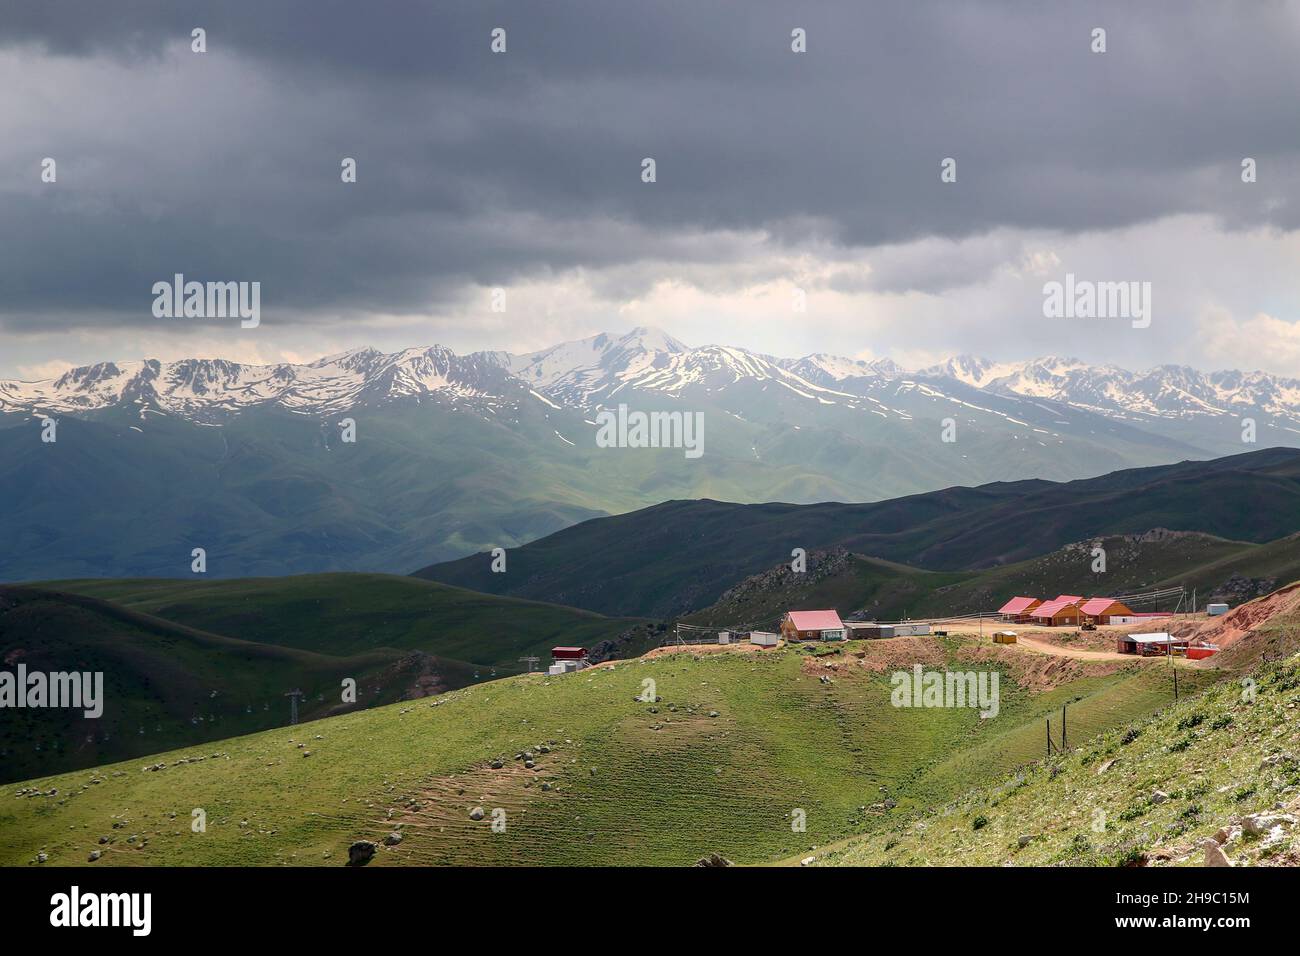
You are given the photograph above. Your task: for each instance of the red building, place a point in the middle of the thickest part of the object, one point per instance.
(1018, 608)
(813, 626)
(1056, 613)
(1101, 610)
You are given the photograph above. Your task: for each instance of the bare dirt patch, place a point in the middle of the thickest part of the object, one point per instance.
(743, 647)
(1240, 622)
(877, 656)
(1036, 671)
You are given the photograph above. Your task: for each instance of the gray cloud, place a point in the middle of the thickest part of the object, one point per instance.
(478, 169)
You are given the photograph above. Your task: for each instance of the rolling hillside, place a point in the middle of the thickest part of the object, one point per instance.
(1220, 768)
(735, 744)
(167, 685)
(354, 613)
(187, 662)
(682, 555)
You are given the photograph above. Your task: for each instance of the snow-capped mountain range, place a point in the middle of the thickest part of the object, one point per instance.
(596, 371)
(462, 453)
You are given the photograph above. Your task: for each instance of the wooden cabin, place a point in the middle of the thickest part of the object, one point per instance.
(813, 626)
(1058, 613)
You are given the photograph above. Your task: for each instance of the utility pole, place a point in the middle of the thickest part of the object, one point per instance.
(1064, 745)
(293, 696)
(530, 661)
(1049, 736)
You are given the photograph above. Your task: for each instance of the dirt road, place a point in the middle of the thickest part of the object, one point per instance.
(1045, 647)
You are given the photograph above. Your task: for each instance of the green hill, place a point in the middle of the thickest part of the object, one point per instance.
(351, 613)
(186, 662)
(1147, 794)
(833, 579)
(681, 556)
(166, 685)
(737, 743)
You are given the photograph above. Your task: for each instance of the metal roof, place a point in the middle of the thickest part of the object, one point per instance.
(815, 620)
(1018, 605)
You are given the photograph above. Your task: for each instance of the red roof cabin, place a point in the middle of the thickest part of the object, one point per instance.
(1018, 608)
(568, 653)
(1056, 613)
(813, 626)
(1101, 610)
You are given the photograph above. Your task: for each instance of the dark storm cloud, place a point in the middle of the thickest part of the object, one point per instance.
(481, 169)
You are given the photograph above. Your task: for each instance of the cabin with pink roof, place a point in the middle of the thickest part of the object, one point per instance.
(1100, 610)
(1018, 608)
(1056, 613)
(812, 626)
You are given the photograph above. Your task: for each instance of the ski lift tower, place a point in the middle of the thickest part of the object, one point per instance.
(294, 696)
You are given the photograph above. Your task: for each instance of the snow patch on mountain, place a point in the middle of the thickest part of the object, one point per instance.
(605, 369)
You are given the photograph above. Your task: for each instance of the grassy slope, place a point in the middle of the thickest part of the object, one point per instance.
(353, 613)
(885, 589)
(187, 661)
(1208, 753)
(629, 785)
(165, 685)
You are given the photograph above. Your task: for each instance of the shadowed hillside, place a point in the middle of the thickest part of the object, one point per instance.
(682, 555)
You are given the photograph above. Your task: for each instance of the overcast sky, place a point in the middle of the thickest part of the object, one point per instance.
(775, 170)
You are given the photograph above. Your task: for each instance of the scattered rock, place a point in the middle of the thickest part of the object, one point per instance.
(1225, 835)
(393, 839)
(1159, 797)
(361, 853)
(1214, 855)
(94, 855)
(1261, 824)
(714, 859)
(1025, 840)
(808, 861)
(477, 814)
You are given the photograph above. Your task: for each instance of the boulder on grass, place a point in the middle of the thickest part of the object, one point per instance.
(361, 853)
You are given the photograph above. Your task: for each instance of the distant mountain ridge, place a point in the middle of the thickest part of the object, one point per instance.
(594, 371)
(455, 454)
